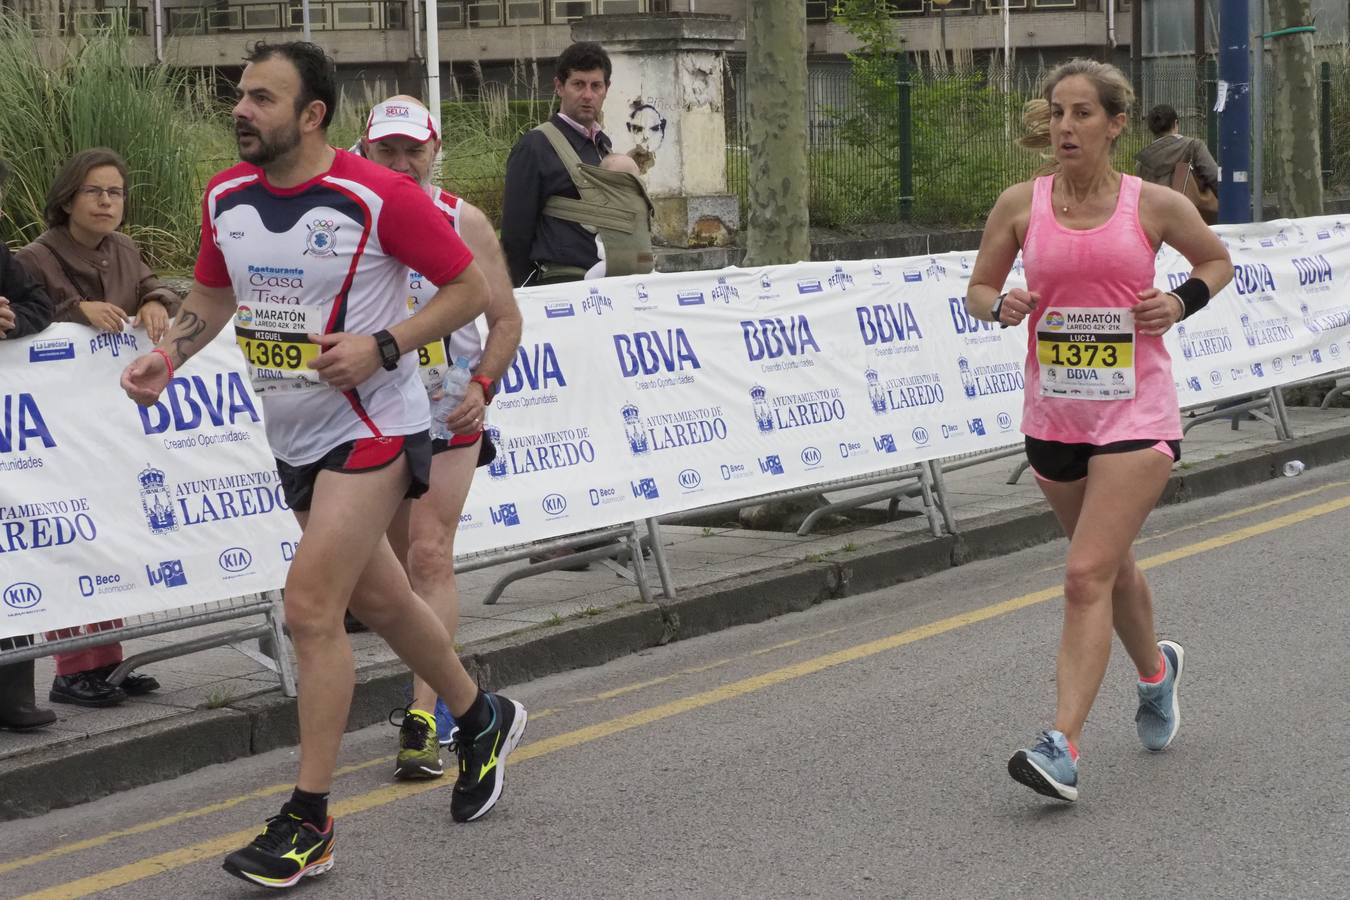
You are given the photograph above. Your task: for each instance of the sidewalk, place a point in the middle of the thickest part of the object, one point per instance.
(220, 704)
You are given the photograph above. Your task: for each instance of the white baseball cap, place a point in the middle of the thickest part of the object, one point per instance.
(400, 118)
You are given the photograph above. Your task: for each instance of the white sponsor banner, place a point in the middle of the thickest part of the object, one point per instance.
(110, 510)
(646, 395)
(628, 398)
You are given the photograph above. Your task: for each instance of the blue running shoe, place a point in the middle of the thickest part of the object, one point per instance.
(1159, 714)
(445, 724)
(1048, 768)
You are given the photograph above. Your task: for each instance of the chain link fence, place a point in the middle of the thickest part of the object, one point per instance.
(956, 129)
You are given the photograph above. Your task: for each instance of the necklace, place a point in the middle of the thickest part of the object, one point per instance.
(1064, 189)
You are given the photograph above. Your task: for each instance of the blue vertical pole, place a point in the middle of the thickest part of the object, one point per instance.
(1235, 121)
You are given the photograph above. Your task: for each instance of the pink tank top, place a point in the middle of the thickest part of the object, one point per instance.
(1081, 341)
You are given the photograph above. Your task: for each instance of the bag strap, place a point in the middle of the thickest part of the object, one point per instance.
(611, 218)
(568, 154)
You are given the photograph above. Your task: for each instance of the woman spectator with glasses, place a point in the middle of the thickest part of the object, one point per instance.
(95, 275)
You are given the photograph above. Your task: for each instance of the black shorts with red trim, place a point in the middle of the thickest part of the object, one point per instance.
(1057, 461)
(363, 455)
(487, 451)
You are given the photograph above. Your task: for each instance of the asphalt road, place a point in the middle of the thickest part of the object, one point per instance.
(858, 749)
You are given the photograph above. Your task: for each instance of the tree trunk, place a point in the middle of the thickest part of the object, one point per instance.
(775, 91)
(1297, 170)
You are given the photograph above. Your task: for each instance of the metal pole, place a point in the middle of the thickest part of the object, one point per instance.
(304, 17)
(159, 31)
(1258, 12)
(1198, 27)
(1326, 124)
(1235, 118)
(905, 125)
(1007, 48)
(433, 65)
(1212, 98)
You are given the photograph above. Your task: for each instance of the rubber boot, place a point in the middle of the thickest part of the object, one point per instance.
(18, 712)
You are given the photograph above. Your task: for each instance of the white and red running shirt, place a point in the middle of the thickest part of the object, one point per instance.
(328, 255)
(467, 341)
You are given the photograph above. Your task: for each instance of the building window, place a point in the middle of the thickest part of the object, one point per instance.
(571, 10)
(525, 12)
(450, 15)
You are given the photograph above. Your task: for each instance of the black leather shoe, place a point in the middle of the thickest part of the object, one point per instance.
(135, 684)
(85, 689)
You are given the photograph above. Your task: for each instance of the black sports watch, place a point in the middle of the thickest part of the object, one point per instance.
(388, 347)
(997, 307)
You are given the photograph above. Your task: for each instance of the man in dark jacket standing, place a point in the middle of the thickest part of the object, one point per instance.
(24, 310)
(543, 249)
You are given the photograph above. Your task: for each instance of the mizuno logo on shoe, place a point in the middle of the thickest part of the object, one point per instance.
(492, 760)
(303, 858)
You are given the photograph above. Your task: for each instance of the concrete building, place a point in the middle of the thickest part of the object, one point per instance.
(502, 40)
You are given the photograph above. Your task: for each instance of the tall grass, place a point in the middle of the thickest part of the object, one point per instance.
(60, 99)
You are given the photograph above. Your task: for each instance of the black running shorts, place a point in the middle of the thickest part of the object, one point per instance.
(364, 455)
(1056, 461)
(487, 451)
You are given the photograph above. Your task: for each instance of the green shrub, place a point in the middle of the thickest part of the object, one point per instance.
(161, 120)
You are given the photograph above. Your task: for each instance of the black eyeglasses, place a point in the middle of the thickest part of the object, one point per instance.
(94, 193)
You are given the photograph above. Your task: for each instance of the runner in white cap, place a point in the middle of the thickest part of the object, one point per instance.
(401, 135)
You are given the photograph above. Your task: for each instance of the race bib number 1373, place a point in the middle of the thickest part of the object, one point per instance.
(1086, 353)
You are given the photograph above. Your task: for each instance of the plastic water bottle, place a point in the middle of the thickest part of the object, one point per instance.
(1293, 467)
(453, 387)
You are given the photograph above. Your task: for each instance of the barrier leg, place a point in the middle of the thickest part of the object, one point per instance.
(1334, 393)
(1016, 474)
(939, 490)
(634, 543)
(891, 493)
(281, 645)
(539, 568)
(1282, 428)
(169, 651)
(659, 557)
(1234, 413)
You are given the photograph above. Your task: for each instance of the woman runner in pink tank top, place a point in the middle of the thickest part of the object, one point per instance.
(1101, 417)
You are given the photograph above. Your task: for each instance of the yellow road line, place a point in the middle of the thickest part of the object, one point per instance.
(206, 850)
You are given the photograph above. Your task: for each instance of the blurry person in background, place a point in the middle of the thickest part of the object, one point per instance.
(24, 310)
(95, 275)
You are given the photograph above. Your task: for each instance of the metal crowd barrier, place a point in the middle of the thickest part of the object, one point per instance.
(625, 542)
(269, 633)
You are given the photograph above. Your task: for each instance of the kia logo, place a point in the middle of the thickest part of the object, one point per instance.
(22, 595)
(235, 559)
(690, 479)
(811, 456)
(555, 504)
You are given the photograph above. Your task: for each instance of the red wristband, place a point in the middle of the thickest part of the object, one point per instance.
(167, 360)
(486, 384)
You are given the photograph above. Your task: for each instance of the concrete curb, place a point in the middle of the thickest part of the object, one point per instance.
(68, 774)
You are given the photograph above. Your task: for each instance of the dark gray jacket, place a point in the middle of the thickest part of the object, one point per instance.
(32, 309)
(1156, 161)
